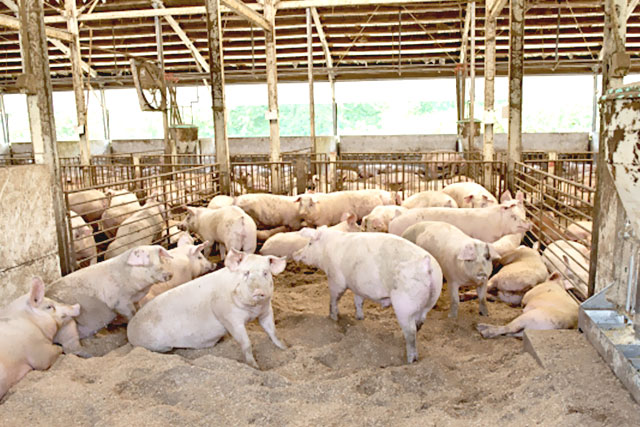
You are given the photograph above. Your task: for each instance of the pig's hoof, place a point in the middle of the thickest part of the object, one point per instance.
(359, 316)
(484, 311)
(83, 354)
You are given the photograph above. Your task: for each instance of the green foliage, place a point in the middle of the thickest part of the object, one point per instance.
(426, 107)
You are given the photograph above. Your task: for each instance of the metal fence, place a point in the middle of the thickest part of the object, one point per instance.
(561, 211)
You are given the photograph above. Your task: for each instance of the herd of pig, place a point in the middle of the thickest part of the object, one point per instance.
(393, 255)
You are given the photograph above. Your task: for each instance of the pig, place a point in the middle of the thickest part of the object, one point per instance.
(570, 259)
(507, 243)
(464, 261)
(327, 208)
(142, 228)
(90, 204)
(106, 290)
(380, 217)
(122, 204)
(200, 312)
(270, 210)
(580, 231)
(263, 235)
(523, 269)
(387, 197)
(27, 327)
(186, 264)
(487, 224)
(429, 199)
(470, 195)
(380, 267)
(546, 306)
(220, 201)
(229, 226)
(84, 245)
(285, 244)
(443, 164)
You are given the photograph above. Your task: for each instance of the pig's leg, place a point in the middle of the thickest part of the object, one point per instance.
(239, 333)
(455, 299)
(336, 290)
(269, 326)
(534, 319)
(421, 318)
(482, 299)
(69, 339)
(42, 356)
(125, 309)
(223, 251)
(405, 308)
(358, 301)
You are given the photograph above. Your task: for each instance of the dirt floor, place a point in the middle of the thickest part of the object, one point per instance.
(345, 373)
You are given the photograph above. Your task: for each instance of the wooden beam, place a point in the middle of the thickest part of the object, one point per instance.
(11, 5)
(312, 113)
(272, 89)
(516, 62)
(323, 37)
(246, 12)
(14, 24)
(216, 61)
(631, 8)
(472, 78)
(496, 8)
(465, 35)
(489, 91)
(67, 52)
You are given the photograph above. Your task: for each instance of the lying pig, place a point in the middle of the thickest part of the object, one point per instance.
(84, 245)
(507, 243)
(270, 210)
(229, 226)
(142, 228)
(546, 306)
(464, 261)
(580, 231)
(285, 244)
(487, 224)
(200, 312)
(186, 264)
(523, 269)
(429, 199)
(27, 328)
(470, 195)
(220, 201)
(381, 267)
(90, 204)
(108, 289)
(380, 217)
(327, 208)
(570, 259)
(122, 204)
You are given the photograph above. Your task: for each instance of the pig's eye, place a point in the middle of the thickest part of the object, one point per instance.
(246, 274)
(49, 307)
(265, 273)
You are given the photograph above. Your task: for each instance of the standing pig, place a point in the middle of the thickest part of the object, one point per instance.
(27, 328)
(380, 217)
(187, 263)
(523, 269)
(200, 312)
(429, 199)
(84, 245)
(327, 208)
(380, 267)
(270, 210)
(470, 195)
(108, 289)
(230, 226)
(90, 204)
(487, 224)
(464, 261)
(122, 204)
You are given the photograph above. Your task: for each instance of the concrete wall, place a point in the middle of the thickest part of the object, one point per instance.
(28, 241)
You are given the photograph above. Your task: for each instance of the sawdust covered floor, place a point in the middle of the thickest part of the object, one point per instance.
(345, 373)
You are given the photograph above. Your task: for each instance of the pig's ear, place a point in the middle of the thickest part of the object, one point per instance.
(351, 218)
(492, 252)
(468, 253)
(37, 292)
(520, 196)
(138, 258)
(397, 213)
(555, 276)
(484, 197)
(163, 253)
(194, 250)
(468, 198)
(505, 197)
(345, 216)
(191, 211)
(233, 259)
(277, 265)
(298, 199)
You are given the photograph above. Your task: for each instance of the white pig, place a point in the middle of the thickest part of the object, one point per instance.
(220, 201)
(464, 261)
(430, 199)
(327, 208)
(487, 224)
(229, 226)
(27, 327)
(380, 267)
(546, 306)
(470, 195)
(270, 210)
(580, 231)
(507, 243)
(200, 312)
(91, 204)
(380, 217)
(122, 204)
(108, 289)
(84, 245)
(571, 259)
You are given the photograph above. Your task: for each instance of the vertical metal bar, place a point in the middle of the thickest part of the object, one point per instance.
(516, 62)
(312, 111)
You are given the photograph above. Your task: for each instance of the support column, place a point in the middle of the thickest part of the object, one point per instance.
(78, 84)
(312, 110)
(4, 121)
(334, 111)
(36, 82)
(216, 62)
(169, 143)
(489, 90)
(472, 82)
(516, 69)
(272, 88)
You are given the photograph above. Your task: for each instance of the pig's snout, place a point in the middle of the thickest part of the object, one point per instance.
(525, 227)
(259, 295)
(182, 226)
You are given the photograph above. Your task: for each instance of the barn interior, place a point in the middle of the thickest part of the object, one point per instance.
(577, 187)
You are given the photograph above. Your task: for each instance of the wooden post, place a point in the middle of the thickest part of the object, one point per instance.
(312, 113)
(272, 88)
(216, 62)
(516, 69)
(472, 83)
(77, 79)
(36, 82)
(489, 90)
(169, 142)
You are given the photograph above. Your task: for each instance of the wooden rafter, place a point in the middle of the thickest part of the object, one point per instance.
(246, 12)
(322, 36)
(14, 24)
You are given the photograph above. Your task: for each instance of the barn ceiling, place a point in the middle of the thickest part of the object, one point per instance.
(366, 41)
